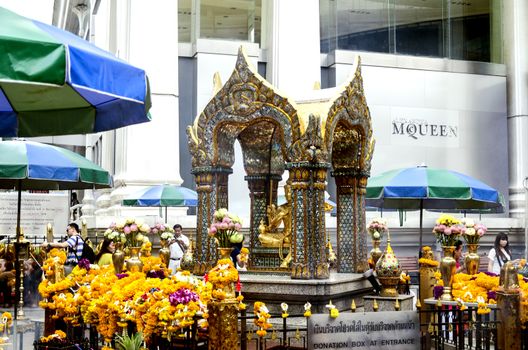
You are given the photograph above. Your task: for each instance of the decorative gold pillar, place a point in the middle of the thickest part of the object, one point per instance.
(212, 187)
(308, 220)
(262, 192)
(351, 230)
(223, 325)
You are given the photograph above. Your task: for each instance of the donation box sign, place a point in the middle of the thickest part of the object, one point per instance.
(370, 330)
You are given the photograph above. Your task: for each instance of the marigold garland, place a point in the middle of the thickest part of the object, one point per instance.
(262, 316)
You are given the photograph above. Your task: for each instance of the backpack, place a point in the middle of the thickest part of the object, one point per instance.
(87, 252)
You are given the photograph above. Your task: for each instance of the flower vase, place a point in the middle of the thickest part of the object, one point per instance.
(133, 263)
(472, 260)
(118, 258)
(448, 270)
(375, 252)
(224, 253)
(164, 252)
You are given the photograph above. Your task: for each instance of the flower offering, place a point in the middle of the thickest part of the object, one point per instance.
(165, 232)
(376, 228)
(226, 228)
(448, 229)
(473, 231)
(130, 231)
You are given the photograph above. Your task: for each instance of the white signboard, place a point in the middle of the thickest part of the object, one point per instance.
(424, 127)
(36, 211)
(371, 330)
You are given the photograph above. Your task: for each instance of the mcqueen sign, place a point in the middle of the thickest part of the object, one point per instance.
(424, 127)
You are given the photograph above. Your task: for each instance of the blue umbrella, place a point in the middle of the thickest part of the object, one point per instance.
(26, 165)
(422, 188)
(163, 196)
(55, 83)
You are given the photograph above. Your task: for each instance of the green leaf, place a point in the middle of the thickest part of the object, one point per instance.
(127, 342)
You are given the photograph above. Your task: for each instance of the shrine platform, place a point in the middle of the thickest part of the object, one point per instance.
(275, 288)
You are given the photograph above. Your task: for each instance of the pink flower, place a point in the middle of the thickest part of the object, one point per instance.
(447, 231)
(162, 227)
(223, 226)
(238, 227)
(154, 230)
(133, 228)
(480, 232)
(126, 229)
(213, 229)
(231, 226)
(226, 219)
(158, 226)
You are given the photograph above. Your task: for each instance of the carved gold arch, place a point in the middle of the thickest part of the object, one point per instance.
(244, 101)
(348, 128)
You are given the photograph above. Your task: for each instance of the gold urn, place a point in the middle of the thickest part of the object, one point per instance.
(388, 270)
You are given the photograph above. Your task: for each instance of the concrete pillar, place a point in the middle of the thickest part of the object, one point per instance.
(148, 154)
(293, 44)
(515, 13)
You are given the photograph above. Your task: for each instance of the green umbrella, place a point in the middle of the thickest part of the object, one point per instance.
(55, 83)
(26, 165)
(422, 188)
(163, 196)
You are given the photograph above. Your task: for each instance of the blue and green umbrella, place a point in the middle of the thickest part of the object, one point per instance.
(422, 188)
(55, 83)
(26, 165)
(163, 196)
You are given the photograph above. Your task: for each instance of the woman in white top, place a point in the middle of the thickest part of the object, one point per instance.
(499, 254)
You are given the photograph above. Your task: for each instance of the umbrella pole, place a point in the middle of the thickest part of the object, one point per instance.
(17, 250)
(421, 223)
(165, 214)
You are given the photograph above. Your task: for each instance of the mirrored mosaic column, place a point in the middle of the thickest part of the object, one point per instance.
(308, 220)
(212, 187)
(351, 232)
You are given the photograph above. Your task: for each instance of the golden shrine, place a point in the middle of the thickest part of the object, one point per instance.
(328, 131)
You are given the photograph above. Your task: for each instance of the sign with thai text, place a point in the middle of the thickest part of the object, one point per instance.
(370, 330)
(36, 211)
(424, 127)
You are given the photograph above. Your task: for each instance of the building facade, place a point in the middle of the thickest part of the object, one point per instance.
(443, 80)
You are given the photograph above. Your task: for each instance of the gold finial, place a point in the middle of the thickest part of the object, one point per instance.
(297, 334)
(418, 304)
(331, 254)
(217, 83)
(274, 335)
(439, 303)
(317, 85)
(375, 306)
(84, 229)
(397, 305)
(353, 306)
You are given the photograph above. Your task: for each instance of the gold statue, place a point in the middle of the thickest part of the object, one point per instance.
(271, 235)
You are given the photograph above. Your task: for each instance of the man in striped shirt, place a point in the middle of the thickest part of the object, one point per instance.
(74, 243)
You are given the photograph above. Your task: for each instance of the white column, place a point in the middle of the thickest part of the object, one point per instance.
(515, 13)
(148, 154)
(294, 62)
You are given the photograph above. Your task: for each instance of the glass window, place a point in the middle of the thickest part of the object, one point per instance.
(363, 25)
(473, 32)
(459, 29)
(184, 20)
(232, 20)
(420, 27)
